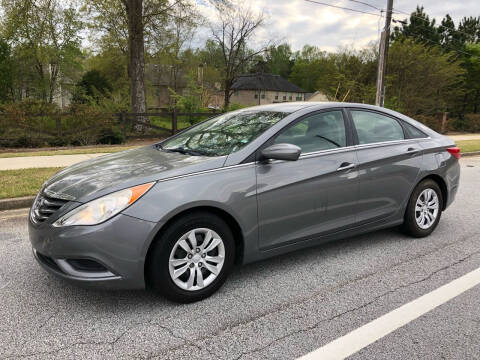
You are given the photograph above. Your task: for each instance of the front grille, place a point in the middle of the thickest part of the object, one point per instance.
(45, 206)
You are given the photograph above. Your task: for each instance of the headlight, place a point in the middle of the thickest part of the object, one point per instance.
(102, 209)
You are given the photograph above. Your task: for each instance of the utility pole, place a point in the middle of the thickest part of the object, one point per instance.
(382, 56)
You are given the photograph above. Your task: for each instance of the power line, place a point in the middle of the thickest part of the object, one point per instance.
(341, 7)
(366, 4)
(421, 37)
(394, 11)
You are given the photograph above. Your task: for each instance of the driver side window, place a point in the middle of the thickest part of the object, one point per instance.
(321, 131)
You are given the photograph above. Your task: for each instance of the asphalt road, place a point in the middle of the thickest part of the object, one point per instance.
(276, 309)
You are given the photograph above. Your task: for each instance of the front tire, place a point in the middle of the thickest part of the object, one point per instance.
(192, 258)
(424, 209)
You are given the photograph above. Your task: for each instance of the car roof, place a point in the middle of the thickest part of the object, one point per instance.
(291, 107)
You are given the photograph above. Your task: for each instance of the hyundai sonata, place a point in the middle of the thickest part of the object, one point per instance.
(242, 186)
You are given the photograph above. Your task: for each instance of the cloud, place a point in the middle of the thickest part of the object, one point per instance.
(299, 22)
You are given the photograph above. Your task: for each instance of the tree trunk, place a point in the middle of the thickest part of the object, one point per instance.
(475, 106)
(228, 88)
(443, 129)
(136, 63)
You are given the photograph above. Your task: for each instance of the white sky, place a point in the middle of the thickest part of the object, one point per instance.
(299, 22)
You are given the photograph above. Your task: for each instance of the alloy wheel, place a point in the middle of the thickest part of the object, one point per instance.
(426, 208)
(196, 259)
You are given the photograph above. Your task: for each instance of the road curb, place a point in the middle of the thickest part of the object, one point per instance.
(473, 153)
(16, 203)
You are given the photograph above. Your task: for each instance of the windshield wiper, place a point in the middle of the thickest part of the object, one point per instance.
(184, 151)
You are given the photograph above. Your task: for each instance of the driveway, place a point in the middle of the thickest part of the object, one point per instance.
(282, 308)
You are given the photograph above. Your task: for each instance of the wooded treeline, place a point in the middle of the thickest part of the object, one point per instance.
(432, 68)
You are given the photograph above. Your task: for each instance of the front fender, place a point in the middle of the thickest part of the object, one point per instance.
(232, 190)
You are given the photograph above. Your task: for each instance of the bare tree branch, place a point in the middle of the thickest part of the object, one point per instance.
(232, 34)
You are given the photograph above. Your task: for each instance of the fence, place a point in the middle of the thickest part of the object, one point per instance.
(83, 128)
(177, 121)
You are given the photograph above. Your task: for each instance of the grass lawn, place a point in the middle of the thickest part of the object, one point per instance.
(468, 145)
(66, 151)
(23, 182)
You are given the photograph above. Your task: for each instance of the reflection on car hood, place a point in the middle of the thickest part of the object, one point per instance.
(93, 178)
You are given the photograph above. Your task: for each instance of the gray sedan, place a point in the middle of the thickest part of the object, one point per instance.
(240, 187)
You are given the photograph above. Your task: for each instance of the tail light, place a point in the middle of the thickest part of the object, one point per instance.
(455, 151)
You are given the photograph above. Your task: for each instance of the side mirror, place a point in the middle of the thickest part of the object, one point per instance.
(288, 152)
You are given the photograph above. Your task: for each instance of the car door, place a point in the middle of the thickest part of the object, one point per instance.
(302, 199)
(388, 164)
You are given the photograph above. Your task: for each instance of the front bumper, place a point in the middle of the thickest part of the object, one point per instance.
(118, 247)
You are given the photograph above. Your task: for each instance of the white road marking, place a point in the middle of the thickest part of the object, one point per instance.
(384, 325)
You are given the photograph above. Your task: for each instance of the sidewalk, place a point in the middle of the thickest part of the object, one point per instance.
(464, 137)
(44, 161)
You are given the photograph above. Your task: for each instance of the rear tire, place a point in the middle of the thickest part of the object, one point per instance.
(200, 247)
(424, 209)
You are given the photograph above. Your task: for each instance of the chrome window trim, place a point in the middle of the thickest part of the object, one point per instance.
(386, 143)
(327, 151)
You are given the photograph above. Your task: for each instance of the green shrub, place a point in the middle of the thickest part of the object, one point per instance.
(31, 124)
(111, 136)
(432, 121)
(469, 123)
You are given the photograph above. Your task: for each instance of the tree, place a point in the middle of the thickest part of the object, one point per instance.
(92, 85)
(175, 54)
(231, 35)
(469, 29)
(449, 36)
(347, 74)
(6, 72)
(313, 70)
(471, 64)
(418, 27)
(46, 33)
(136, 56)
(422, 79)
(112, 64)
(279, 60)
(134, 25)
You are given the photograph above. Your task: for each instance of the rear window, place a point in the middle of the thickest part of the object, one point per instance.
(373, 127)
(414, 132)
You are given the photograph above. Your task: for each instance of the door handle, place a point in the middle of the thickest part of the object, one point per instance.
(346, 166)
(412, 151)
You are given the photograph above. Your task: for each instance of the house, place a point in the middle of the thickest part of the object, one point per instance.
(260, 88)
(316, 96)
(163, 81)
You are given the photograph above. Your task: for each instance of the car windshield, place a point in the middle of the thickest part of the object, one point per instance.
(224, 134)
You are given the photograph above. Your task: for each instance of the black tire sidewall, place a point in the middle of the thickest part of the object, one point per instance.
(158, 267)
(410, 225)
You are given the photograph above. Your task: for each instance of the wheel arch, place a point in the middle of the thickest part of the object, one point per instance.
(220, 212)
(441, 183)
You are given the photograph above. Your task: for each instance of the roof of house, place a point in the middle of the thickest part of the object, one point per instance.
(316, 96)
(265, 82)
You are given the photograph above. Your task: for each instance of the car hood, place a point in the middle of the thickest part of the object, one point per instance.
(93, 178)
